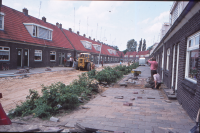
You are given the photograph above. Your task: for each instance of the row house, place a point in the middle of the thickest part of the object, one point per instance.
(121, 55)
(134, 56)
(26, 41)
(178, 55)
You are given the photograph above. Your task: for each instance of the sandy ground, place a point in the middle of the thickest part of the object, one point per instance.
(15, 89)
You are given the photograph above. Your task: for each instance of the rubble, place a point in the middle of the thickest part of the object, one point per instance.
(54, 119)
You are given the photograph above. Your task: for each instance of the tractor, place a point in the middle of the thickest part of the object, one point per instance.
(84, 62)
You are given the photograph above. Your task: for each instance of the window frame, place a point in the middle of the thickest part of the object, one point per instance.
(54, 54)
(34, 54)
(2, 14)
(188, 50)
(37, 26)
(6, 51)
(168, 54)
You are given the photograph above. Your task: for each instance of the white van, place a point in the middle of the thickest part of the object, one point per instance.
(142, 62)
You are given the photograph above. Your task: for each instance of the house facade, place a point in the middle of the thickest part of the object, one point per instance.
(178, 55)
(26, 41)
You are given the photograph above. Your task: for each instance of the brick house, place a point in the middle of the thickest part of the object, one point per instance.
(26, 41)
(29, 42)
(178, 53)
(142, 54)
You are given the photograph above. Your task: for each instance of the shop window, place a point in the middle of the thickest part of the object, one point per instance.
(4, 53)
(38, 55)
(192, 57)
(168, 54)
(52, 56)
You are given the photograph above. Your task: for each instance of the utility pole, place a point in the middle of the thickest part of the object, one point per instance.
(40, 8)
(96, 31)
(79, 25)
(74, 19)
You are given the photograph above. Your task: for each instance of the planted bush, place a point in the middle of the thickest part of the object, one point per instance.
(108, 75)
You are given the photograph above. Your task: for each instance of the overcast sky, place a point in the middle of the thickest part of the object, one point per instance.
(118, 21)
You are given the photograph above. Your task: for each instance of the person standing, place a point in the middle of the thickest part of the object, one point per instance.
(154, 66)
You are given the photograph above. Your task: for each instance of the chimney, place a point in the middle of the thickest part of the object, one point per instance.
(25, 11)
(94, 39)
(70, 29)
(78, 32)
(89, 37)
(84, 35)
(60, 26)
(57, 24)
(44, 19)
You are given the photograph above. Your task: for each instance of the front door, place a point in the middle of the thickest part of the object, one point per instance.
(26, 58)
(19, 57)
(61, 58)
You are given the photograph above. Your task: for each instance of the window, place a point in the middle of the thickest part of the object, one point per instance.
(108, 58)
(92, 58)
(4, 53)
(39, 31)
(97, 47)
(192, 55)
(1, 21)
(38, 55)
(101, 58)
(52, 56)
(105, 58)
(69, 55)
(86, 44)
(168, 54)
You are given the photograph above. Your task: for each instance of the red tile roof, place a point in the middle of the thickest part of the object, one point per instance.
(75, 39)
(14, 29)
(143, 52)
(134, 53)
(120, 53)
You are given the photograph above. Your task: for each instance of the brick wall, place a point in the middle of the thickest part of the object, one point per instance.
(188, 93)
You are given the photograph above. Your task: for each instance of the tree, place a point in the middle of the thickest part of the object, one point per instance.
(131, 45)
(150, 48)
(124, 51)
(140, 45)
(144, 45)
(116, 48)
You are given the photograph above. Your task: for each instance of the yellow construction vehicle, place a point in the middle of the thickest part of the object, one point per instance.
(84, 62)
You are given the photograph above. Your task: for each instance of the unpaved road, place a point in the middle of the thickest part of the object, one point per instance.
(15, 90)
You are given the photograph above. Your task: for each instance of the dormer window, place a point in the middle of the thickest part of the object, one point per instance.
(97, 47)
(1, 21)
(111, 51)
(39, 31)
(86, 44)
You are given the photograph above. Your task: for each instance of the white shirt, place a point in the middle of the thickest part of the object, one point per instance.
(157, 77)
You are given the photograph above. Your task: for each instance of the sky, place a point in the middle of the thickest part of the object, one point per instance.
(111, 22)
